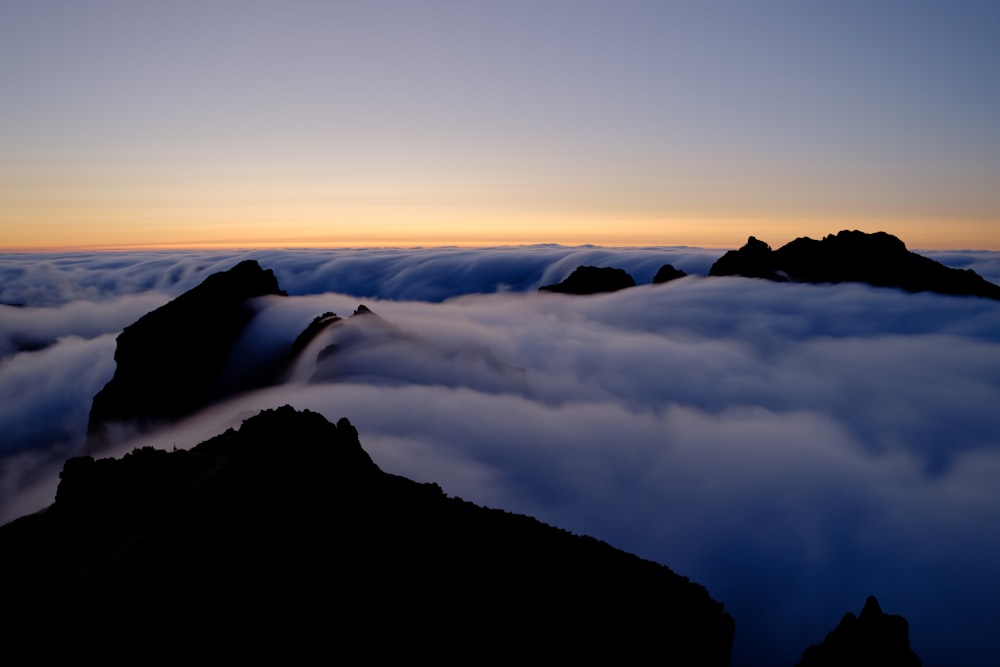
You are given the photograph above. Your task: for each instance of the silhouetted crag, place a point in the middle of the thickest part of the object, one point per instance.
(168, 363)
(667, 273)
(877, 259)
(872, 639)
(754, 260)
(592, 280)
(318, 324)
(377, 331)
(285, 534)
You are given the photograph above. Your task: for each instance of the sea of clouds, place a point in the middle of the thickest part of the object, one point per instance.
(794, 448)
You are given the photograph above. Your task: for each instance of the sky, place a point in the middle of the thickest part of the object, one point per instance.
(794, 448)
(305, 123)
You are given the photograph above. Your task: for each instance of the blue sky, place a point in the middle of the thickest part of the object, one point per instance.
(264, 123)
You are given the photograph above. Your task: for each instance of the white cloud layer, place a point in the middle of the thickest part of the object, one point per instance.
(431, 274)
(795, 448)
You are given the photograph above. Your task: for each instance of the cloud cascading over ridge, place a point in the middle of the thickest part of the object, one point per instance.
(420, 274)
(795, 448)
(424, 274)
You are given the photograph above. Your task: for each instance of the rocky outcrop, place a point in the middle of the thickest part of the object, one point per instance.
(315, 327)
(667, 273)
(169, 362)
(285, 533)
(871, 639)
(877, 259)
(753, 260)
(592, 280)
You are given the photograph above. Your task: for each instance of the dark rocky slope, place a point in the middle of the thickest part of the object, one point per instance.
(666, 273)
(877, 259)
(592, 280)
(284, 535)
(871, 639)
(169, 362)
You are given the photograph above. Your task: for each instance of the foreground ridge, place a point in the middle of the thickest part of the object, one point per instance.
(286, 525)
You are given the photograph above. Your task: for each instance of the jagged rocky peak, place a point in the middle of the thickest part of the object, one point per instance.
(257, 525)
(753, 260)
(878, 259)
(313, 329)
(322, 323)
(666, 273)
(169, 362)
(871, 639)
(858, 241)
(592, 280)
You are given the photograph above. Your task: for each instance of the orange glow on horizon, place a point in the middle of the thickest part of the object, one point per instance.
(721, 233)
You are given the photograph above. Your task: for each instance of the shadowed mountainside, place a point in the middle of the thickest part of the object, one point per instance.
(878, 259)
(169, 362)
(287, 528)
(871, 639)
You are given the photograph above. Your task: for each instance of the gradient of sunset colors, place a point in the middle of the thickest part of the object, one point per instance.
(309, 123)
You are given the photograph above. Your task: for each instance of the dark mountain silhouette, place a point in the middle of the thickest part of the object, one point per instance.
(871, 639)
(592, 280)
(667, 273)
(285, 534)
(169, 362)
(877, 259)
(754, 260)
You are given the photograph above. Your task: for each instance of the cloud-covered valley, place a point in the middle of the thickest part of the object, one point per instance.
(794, 448)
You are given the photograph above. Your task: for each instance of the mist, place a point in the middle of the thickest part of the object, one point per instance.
(794, 448)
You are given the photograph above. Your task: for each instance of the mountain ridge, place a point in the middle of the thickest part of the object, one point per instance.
(878, 259)
(254, 522)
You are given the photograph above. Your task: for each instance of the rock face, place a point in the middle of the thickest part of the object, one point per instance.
(592, 280)
(168, 362)
(667, 273)
(871, 639)
(318, 324)
(877, 259)
(754, 260)
(285, 533)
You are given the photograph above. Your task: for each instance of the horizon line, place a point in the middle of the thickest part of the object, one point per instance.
(401, 244)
